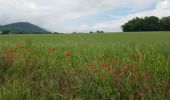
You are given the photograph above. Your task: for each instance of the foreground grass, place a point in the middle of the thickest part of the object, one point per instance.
(89, 66)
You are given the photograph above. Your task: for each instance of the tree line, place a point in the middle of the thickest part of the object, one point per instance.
(151, 23)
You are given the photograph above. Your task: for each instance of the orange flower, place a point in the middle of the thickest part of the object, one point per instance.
(139, 59)
(68, 63)
(67, 53)
(132, 55)
(50, 55)
(52, 49)
(101, 57)
(109, 69)
(104, 65)
(140, 52)
(102, 74)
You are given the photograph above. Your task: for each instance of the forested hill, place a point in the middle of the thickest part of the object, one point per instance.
(22, 27)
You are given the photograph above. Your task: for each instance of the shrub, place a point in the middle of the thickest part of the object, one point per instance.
(5, 32)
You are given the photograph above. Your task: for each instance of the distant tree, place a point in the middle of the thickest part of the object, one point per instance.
(151, 23)
(135, 24)
(99, 31)
(165, 23)
(74, 32)
(90, 32)
(5, 31)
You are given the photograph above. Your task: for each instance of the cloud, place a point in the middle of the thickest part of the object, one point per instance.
(55, 15)
(162, 9)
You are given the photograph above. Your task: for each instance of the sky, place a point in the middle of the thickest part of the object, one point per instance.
(80, 15)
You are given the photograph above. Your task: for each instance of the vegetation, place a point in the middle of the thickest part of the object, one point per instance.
(85, 66)
(22, 28)
(99, 31)
(5, 32)
(147, 24)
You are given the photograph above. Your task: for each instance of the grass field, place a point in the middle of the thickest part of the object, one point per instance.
(111, 66)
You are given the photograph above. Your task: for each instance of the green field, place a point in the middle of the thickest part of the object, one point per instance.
(110, 66)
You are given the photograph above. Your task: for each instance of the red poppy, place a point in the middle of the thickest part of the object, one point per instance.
(50, 55)
(101, 57)
(67, 53)
(140, 52)
(109, 69)
(139, 59)
(102, 74)
(104, 65)
(132, 55)
(68, 63)
(52, 49)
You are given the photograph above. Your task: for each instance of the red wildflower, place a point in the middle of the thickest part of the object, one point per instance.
(132, 55)
(140, 52)
(102, 74)
(104, 65)
(109, 69)
(139, 59)
(67, 53)
(50, 55)
(52, 48)
(68, 63)
(101, 57)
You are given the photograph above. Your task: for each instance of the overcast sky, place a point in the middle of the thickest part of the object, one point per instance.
(80, 15)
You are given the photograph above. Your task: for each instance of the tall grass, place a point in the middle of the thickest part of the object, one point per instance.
(81, 69)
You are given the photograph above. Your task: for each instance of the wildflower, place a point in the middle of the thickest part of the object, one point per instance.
(102, 74)
(139, 59)
(132, 55)
(101, 57)
(104, 65)
(109, 69)
(68, 63)
(50, 55)
(67, 53)
(140, 52)
(52, 49)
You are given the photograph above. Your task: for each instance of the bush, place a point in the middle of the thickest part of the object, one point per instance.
(99, 31)
(5, 32)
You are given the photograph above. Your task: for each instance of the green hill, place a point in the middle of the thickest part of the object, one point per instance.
(22, 27)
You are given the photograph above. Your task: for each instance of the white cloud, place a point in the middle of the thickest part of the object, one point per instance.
(52, 14)
(162, 9)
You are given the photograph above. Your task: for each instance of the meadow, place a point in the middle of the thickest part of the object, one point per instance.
(109, 66)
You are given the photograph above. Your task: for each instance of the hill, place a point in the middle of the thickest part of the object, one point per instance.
(22, 27)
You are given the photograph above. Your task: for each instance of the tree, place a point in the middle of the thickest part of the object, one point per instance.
(5, 31)
(99, 31)
(90, 32)
(151, 23)
(165, 23)
(135, 24)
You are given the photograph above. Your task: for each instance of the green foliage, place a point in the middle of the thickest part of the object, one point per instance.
(99, 31)
(151, 23)
(5, 31)
(165, 23)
